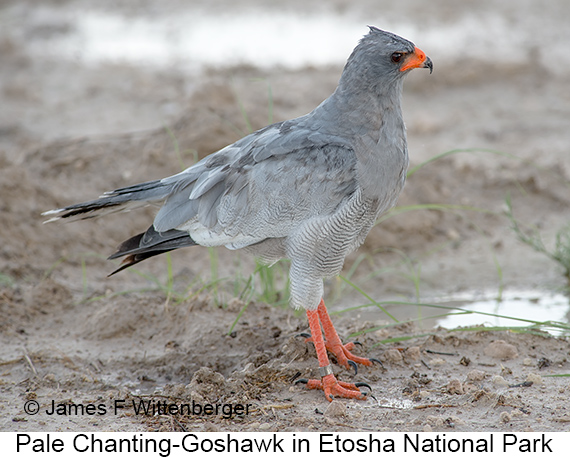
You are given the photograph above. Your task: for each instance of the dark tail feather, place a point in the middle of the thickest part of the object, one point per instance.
(148, 244)
(117, 200)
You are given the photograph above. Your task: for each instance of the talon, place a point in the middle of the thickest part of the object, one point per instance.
(377, 361)
(304, 335)
(357, 342)
(353, 365)
(363, 384)
(301, 381)
(295, 376)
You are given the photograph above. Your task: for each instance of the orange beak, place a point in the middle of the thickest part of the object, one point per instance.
(417, 60)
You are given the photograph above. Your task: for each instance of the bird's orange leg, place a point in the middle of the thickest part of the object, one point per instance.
(328, 382)
(333, 342)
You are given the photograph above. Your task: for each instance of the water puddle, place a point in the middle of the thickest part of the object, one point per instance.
(193, 37)
(393, 403)
(516, 309)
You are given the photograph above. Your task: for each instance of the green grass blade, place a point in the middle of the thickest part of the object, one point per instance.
(372, 301)
(238, 317)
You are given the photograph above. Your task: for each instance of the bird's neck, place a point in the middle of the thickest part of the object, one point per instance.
(354, 112)
(372, 122)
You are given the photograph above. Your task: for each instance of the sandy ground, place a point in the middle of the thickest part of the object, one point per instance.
(71, 337)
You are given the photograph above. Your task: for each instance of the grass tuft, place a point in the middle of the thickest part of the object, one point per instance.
(531, 236)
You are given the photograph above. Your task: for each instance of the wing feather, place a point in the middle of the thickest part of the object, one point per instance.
(262, 186)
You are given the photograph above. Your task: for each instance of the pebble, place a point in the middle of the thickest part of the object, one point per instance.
(505, 417)
(437, 361)
(455, 387)
(393, 355)
(465, 361)
(476, 375)
(469, 387)
(382, 334)
(499, 381)
(435, 420)
(457, 421)
(534, 378)
(527, 362)
(501, 350)
(413, 353)
(336, 409)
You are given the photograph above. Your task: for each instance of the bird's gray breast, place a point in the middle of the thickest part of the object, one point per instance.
(320, 245)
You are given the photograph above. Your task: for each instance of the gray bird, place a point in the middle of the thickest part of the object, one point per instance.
(307, 189)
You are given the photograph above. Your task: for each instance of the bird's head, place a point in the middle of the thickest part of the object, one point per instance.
(382, 57)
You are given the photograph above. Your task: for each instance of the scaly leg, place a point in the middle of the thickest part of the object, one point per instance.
(328, 382)
(333, 342)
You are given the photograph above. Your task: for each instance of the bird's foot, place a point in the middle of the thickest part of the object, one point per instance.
(335, 388)
(344, 356)
(328, 382)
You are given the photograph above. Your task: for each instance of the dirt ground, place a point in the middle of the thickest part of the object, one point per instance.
(71, 336)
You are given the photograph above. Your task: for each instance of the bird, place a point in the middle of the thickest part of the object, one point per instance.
(307, 189)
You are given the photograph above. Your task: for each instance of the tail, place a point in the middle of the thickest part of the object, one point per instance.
(148, 244)
(143, 245)
(122, 199)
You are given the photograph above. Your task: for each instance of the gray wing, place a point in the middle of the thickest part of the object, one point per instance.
(260, 187)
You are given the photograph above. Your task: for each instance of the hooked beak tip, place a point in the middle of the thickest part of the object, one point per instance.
(428, 64)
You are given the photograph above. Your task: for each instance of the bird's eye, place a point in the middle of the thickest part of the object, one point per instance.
(397, 56)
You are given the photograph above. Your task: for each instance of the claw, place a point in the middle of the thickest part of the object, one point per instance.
(304, 335)
(353, 365)
(363, 384)
(295, 376)
(301, 381)
(377, 361)
(357, 342)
